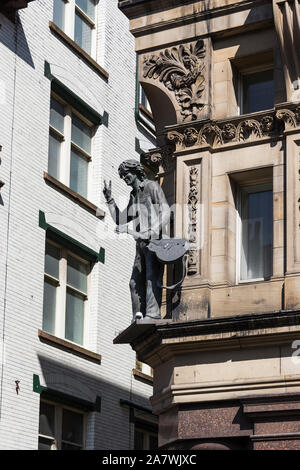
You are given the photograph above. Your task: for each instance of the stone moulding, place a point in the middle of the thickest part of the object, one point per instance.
(193, 203)
(182, 71)
(241, 129)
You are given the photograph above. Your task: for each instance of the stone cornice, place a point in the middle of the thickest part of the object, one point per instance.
(238, 130)
(157, 342)
(135, 8)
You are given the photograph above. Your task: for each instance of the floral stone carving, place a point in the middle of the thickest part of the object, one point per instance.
(181, 70)
(239, 130)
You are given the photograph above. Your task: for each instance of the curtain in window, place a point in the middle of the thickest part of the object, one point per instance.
(287, 24)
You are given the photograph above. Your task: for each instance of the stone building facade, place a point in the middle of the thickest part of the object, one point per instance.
(63, 383)
(223, 81)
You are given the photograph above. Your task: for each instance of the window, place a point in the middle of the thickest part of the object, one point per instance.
(144, 101)
(65, 294)
(77, 19)
(145, 439)
(143, 111)
(60, 428)
(70, 146)
(256, 232)
(257, 91)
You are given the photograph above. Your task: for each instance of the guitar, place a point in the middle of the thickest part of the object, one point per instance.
(167, 250)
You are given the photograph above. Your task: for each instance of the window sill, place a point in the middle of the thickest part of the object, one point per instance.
(143, 377)
(70, 347)
(77, 197)
(79, 50)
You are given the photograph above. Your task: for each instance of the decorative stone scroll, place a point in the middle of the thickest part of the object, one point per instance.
(193, 203)
(219, 133)
(181, 70)
(159, 159)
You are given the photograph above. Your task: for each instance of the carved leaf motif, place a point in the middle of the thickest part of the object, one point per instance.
(181, 71)
(247, 129)
(287, 116)
(211, 134)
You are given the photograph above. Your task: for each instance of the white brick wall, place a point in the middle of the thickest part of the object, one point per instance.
(24, 121)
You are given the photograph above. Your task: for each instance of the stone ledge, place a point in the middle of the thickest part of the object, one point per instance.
(67, 345)
(159, 341)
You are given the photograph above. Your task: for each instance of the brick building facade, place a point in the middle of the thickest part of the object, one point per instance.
(63, 303)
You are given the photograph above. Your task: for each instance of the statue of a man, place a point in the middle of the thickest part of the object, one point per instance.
(149, 212)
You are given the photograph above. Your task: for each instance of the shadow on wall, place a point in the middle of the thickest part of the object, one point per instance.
(88, 387)
(13, 37)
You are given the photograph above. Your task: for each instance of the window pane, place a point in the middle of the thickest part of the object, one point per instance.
(52, 257)
(153, 442)
(138, 440)
(59, 13)
(81, 134)
(74, 317)
(54, 157)
(77, 274)
(258, 91)
(57, 115)
(49, 307)
(72, 427)
(79, 173)
(257, 235)
(88, 6)
(83, 33)
(47, 419)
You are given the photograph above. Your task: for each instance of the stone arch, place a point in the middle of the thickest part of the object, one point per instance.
(163, 106)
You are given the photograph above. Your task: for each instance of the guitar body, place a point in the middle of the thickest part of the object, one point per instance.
(169, 250)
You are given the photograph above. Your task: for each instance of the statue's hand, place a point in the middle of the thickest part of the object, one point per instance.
(107, 190)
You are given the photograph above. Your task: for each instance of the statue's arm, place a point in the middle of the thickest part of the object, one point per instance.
(119, 217)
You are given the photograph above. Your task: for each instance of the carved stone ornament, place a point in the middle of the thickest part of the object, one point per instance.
(236, 130)
(181, 70)
(159, 158)
(193, 203)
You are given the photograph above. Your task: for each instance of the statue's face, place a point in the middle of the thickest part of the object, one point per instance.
(129, 178)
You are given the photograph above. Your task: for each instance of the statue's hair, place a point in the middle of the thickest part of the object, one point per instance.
(133, 166)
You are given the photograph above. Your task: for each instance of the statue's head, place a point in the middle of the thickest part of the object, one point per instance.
(133, 167)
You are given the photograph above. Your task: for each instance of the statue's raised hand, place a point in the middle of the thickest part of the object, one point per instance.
(107, 191)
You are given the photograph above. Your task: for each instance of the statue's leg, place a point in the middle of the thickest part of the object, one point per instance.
(154, 275)
(137, 284)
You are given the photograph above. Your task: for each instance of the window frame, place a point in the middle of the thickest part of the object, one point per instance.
(249, 71)
(146, 436)
(242, 188)
(58, 423)
(66, 144)
(70, 9)
(62, 287)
